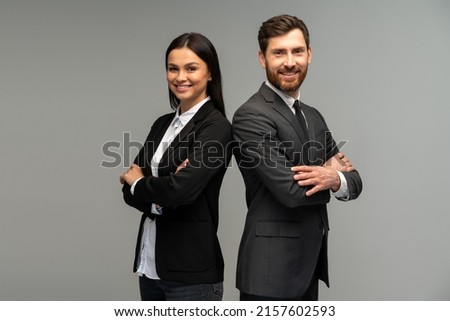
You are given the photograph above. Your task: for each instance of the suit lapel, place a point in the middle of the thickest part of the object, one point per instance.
(161, 131)
(187, 129)
(143, 159)
(280, 106)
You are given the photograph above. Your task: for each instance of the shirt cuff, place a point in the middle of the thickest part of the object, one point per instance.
(342, 192)
(134, 185)
(156, 209)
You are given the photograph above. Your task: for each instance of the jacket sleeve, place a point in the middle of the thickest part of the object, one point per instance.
(131, 201)
(354, 183)
(259, 150)
(208, 157)
(143, 205)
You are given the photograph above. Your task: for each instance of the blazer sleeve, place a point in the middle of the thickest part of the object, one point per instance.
(259, 150)
(354, 183)
(208, 156)
(131, 201)
(142, 159)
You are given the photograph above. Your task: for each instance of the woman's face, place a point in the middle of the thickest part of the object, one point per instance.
(187, 76)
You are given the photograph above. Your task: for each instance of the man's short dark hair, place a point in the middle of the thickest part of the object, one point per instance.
(278, 26)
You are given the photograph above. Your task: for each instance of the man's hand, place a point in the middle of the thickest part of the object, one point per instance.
(340, 163)
(131, 175)
(320, 177)
(323, 177)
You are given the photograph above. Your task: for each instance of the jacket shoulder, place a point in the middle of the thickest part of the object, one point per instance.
(215, 116)
(164, 118)
(255, 105)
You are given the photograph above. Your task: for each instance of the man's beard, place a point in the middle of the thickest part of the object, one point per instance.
(274, 79)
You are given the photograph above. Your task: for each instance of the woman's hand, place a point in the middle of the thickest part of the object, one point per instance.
(182, 165)
(131, 175)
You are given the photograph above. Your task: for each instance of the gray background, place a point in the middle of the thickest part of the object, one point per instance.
(77, 74)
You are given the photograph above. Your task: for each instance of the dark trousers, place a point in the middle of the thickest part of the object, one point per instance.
(160, 290)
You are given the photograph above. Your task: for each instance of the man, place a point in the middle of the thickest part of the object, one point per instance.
(289, 163)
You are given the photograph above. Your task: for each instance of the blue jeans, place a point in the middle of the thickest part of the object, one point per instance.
(160, 290)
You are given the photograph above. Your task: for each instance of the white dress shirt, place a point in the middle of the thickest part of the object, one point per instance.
(147, 262)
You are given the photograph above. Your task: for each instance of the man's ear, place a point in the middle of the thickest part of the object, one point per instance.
(309, 55)
(262, 59)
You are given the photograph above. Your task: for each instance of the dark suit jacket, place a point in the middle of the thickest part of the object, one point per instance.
(187, 247)
(285, 231)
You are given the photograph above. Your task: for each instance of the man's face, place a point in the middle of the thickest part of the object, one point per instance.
(286, 61)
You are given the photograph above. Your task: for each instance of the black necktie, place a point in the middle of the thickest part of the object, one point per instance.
(301, 119)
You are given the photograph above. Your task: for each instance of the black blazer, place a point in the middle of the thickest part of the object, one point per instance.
(285, 231)
(187, 247)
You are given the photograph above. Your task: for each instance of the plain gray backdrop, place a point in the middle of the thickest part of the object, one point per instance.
(75, 75)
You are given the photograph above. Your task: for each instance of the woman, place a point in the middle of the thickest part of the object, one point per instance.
(176, 180)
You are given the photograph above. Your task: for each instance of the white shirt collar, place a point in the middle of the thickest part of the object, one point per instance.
(185, 117)
(286, 98)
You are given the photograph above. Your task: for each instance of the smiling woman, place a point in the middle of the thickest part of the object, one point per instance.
(187, 76)
(192, 52)
(176, 186)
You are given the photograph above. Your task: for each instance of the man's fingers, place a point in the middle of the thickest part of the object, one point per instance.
(315, 188)
(302, 176)
(307, 182)
(302, 168)
(313, 191)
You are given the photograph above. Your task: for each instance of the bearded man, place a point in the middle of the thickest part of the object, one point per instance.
(290, 165)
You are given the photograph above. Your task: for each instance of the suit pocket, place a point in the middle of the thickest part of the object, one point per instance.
(278, 229)
(187, 246)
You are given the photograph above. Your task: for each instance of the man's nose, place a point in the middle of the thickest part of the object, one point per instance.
(290, 61)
